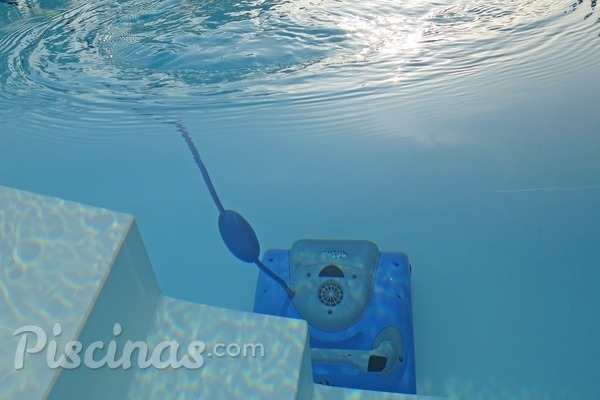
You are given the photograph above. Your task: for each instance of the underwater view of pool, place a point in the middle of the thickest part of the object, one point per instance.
(464, 133)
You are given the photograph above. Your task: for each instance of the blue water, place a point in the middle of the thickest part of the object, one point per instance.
(464, 133)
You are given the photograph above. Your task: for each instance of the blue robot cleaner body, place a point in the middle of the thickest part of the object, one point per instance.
(356, 300)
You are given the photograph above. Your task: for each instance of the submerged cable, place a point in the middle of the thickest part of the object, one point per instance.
(236, 232)
(188, 139)
(287, 288)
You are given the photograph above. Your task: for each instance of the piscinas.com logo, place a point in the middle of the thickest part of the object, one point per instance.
(166, 354)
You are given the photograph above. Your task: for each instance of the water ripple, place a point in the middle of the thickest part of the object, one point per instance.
(106, 61)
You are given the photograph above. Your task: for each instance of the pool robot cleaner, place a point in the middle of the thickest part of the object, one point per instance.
(355, 299)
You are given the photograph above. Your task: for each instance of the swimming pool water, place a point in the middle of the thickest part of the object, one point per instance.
(464, 133)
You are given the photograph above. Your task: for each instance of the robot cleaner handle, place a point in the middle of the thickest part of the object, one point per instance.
(375, 360)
